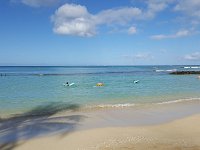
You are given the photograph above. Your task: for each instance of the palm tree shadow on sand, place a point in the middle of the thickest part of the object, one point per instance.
(37, 122)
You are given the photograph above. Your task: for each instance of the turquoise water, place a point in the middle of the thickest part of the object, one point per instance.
(23, 88)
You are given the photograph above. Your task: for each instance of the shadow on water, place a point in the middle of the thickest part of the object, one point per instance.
(39, 121)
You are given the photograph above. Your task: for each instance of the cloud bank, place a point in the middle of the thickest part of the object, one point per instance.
(84, 23)
(189, 7)
(74, 19)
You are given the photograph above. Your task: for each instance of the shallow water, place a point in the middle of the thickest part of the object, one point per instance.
(24, 88)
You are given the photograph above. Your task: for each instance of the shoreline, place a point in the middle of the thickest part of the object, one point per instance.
(179, 134)
(105, 106)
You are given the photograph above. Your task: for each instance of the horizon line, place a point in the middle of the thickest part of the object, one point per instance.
(92, 65)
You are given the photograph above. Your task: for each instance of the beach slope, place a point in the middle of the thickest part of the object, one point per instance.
(179, 134)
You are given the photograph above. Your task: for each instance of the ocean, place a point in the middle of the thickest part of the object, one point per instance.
(23, 88)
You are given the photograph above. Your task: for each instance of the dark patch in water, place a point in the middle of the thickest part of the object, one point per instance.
(185, 72)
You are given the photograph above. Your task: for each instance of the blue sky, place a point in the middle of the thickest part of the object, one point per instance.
(88, 32)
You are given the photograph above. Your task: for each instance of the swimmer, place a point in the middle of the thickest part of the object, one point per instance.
(66, 84)
(135, 81)
(100, 84)
(69, 84)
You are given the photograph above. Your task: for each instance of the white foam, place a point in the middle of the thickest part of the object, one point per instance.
(116, 105)
(193, 67)
(178, 101)
(112, 105)
(170, 70)
(121, 105)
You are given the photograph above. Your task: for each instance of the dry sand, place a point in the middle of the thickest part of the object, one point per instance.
(179, 134)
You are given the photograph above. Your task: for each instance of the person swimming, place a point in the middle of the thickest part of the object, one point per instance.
(66, 84)
(135, 81)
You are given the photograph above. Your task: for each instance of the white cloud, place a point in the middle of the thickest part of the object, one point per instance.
(71, 19)
(117, 16)
(189, 7)
(159, 37)
(39, 3)
(132, 30)
(139, 56)
(190, 10)
(143, 56)
(188, 17)
(155, 6)
(193, 56)
(85, 24)
(181, 33)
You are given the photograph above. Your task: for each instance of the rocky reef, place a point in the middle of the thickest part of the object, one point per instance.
(184, 72)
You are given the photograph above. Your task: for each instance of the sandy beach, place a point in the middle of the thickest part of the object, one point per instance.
(100, 75)
(178, 134)
(168, 126)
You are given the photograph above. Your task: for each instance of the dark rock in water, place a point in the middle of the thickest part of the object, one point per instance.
(185, 72)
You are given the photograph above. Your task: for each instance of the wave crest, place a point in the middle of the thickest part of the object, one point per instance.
(178, 101)
(125, 105)
(170, 70)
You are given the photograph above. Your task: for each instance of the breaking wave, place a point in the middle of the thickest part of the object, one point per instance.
(170, 70)
(125, 105)
(191, 67)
